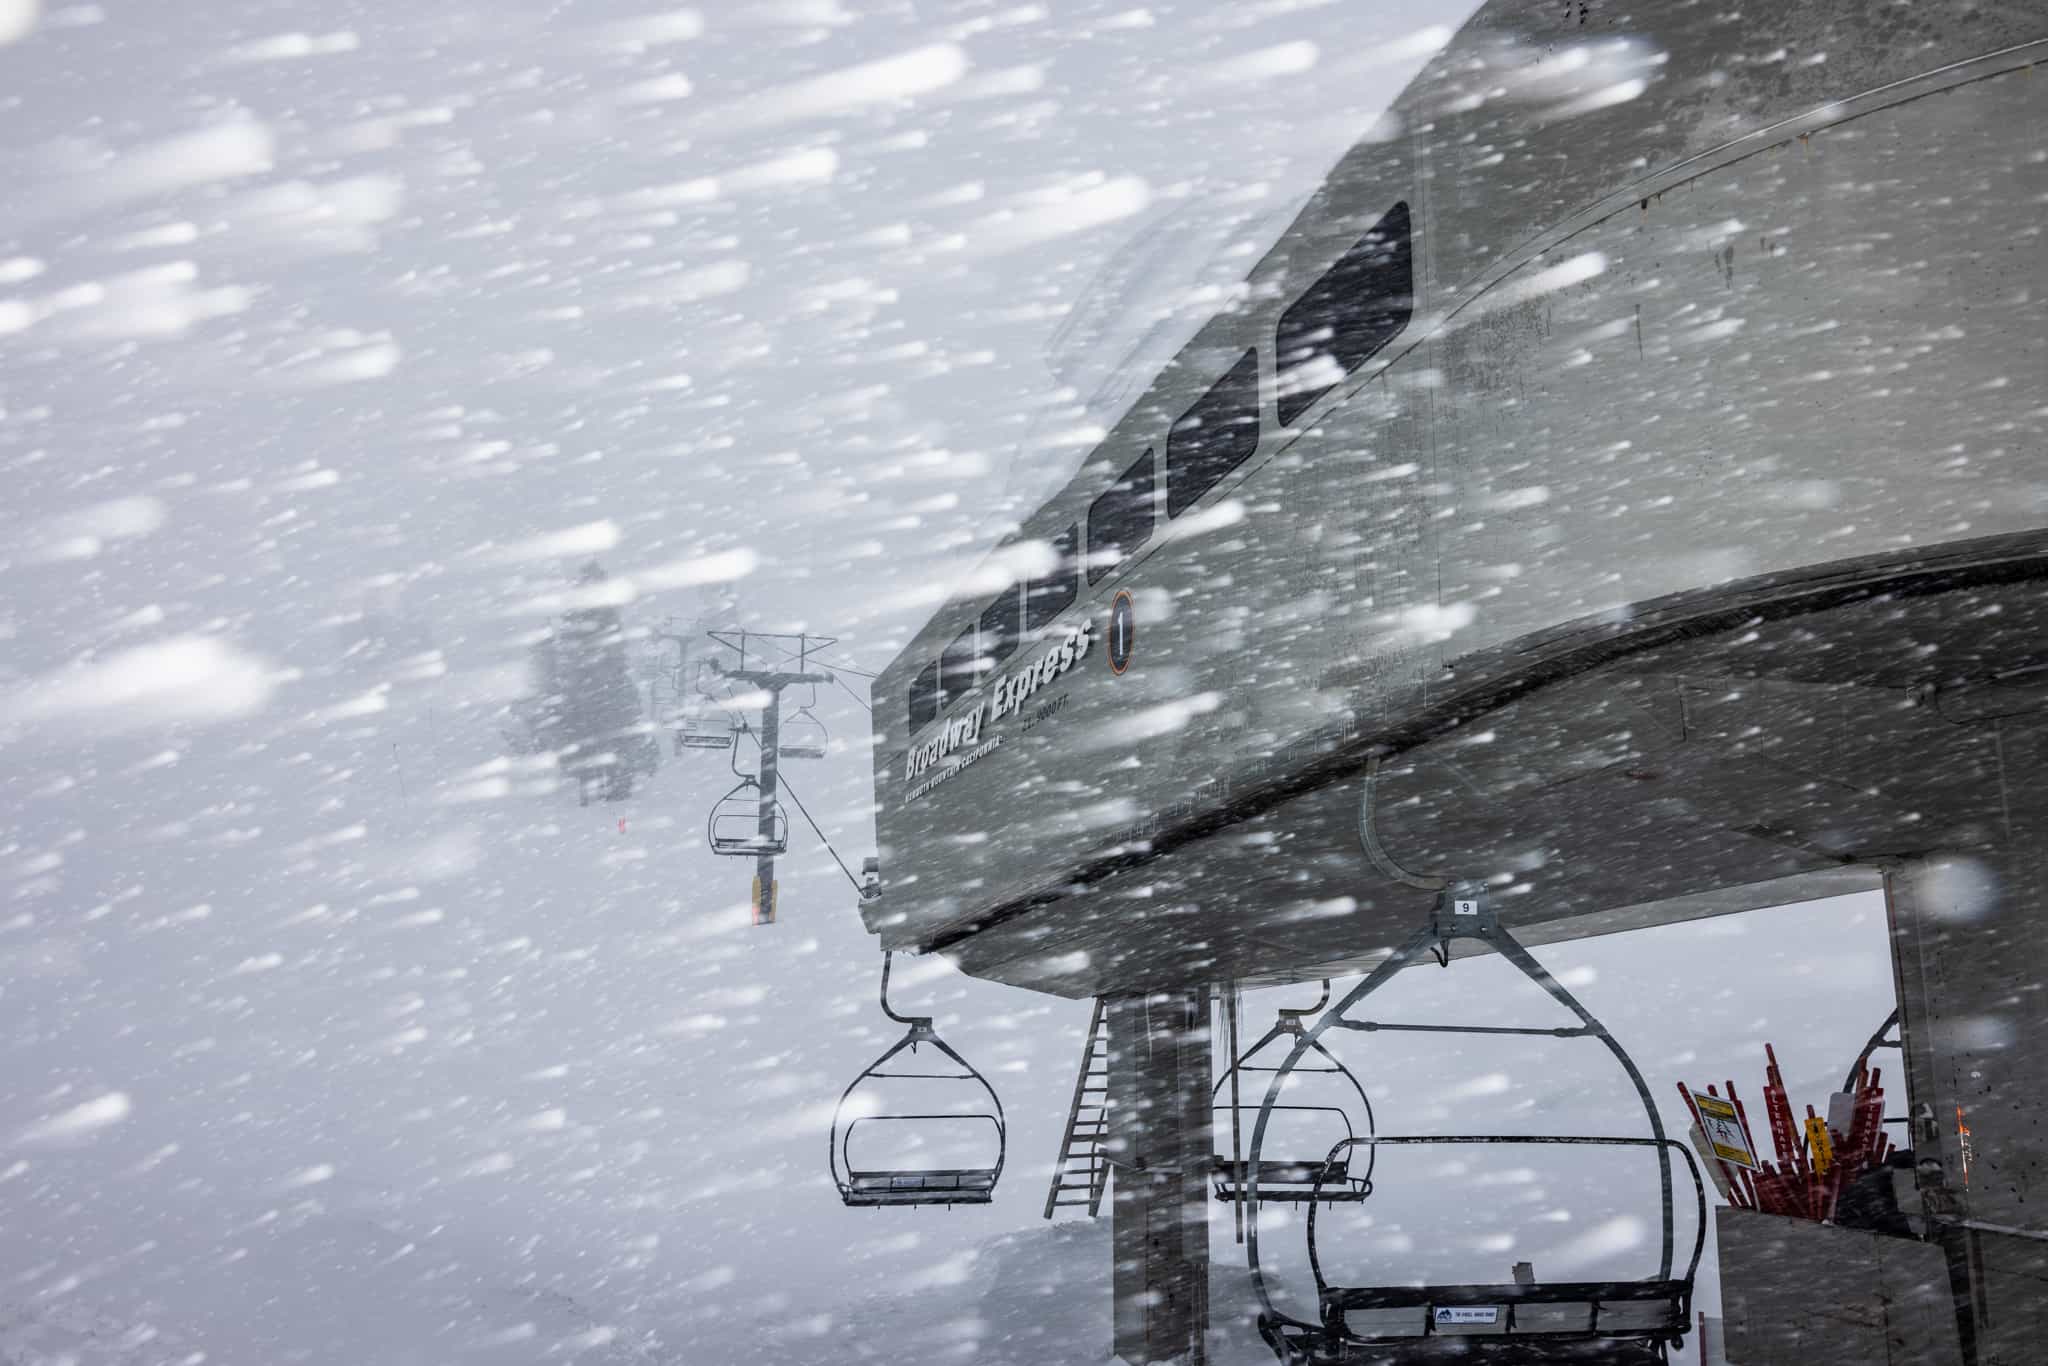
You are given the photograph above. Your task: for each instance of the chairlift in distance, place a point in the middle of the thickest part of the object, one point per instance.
(706, 722)
(908, 1185)
(803, 736)
(705, 725)
(734, 827)
(1526, 1320)
(1313, 1178)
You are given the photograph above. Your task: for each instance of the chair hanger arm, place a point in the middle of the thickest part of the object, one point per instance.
(912, 1020)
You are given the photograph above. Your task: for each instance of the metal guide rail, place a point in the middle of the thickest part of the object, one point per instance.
(1525, 1320)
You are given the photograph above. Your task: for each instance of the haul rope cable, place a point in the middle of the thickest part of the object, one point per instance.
(784, 784)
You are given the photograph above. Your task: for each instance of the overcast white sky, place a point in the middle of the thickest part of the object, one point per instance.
(353, 292)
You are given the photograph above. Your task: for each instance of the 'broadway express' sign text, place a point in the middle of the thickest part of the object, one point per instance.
(1006, 698)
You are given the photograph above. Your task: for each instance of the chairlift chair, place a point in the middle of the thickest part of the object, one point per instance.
(802, 736)
(713, 731)
(735, 823)
(908, 1185)
(705, 725)
(1328, 1180)
(1523, 1321)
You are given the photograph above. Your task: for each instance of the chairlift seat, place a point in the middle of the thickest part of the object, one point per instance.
(959, 1186)
(704, 732)
(1474, 1346)
(705, 725)
(917, 1185)
(1282, 1182)
(1654, 1309)
(752, 845)
(1605, 1321)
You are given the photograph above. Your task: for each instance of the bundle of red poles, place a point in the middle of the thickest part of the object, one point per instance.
(1816, 1160)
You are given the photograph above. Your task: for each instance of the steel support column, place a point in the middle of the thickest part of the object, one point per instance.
(771, 750)
(1159, 1078)
(1971, 957)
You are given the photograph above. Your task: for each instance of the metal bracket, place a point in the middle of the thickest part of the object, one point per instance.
(1291, 1017)
(1463, 911)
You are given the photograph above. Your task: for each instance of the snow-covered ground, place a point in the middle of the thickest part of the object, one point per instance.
(332, 339)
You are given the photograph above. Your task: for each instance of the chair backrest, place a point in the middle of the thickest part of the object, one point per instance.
(950, 1136)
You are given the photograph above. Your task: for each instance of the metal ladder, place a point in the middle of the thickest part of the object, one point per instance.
(1083, 1169)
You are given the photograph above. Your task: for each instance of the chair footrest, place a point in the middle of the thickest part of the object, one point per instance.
(1302, 1348)
(864, 1199)
(1555, 1292)
(1296, 1195)
(1563, 1312)
(960, 1186)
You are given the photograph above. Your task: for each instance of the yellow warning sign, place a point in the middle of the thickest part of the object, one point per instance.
(1822, 1146)
(1723, 1129)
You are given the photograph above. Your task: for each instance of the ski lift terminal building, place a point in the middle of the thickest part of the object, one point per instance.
(1622, 489)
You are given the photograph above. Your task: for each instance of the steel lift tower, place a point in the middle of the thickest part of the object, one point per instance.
(770, 833)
